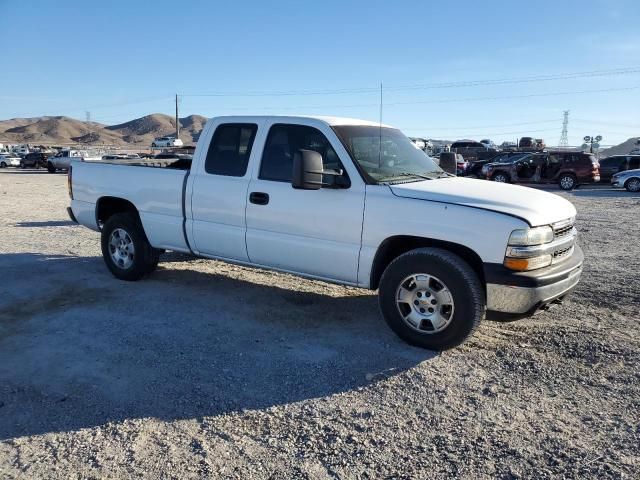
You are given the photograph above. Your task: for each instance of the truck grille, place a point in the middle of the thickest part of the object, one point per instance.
(560, 255)
(560, 231)
(563, 228)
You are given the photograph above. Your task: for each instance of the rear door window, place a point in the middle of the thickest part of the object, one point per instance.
(230, 149)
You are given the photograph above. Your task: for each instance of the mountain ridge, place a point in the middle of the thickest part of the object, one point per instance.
(62, 129)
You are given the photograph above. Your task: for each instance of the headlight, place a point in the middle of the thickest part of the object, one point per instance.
(531, 236)
(523, 252)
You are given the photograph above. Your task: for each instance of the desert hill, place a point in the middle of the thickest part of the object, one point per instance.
(61, 129)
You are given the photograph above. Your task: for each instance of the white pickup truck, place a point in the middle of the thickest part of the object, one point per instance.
(345, 201)
(62, 159)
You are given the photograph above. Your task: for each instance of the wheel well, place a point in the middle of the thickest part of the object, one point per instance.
(626, 182)
(395, 246)
(109, 206)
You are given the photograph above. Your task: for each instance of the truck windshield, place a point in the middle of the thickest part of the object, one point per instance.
(386, 155)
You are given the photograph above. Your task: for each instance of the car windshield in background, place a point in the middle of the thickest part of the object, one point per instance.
(386, 155)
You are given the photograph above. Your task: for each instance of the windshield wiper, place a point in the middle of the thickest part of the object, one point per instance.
(440, 173)
(404, 175)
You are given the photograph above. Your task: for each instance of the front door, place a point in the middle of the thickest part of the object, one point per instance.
(313, 232)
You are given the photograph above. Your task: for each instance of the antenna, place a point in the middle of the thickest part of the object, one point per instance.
(564, 136)
(380, 129)
(177, 120)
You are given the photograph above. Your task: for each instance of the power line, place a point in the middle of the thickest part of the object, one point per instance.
(485, 126)
(421, 86)
(450, 100)
(613, 124)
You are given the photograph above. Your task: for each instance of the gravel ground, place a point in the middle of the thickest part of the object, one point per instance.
(212, 370)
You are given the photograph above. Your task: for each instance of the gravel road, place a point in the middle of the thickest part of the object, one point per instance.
(213, 370)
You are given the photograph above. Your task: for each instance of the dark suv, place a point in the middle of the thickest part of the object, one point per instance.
(609, 166)
(472, 150)
(477, 169)
(34, 160)
(567, 169)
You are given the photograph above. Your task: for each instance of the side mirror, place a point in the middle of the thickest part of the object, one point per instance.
(307, 170)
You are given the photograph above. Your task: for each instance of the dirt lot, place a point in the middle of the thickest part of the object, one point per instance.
(212, 370)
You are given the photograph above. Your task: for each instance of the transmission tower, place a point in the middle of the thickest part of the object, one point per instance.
(564, 136)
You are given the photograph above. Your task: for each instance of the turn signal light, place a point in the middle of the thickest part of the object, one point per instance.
(524, 264)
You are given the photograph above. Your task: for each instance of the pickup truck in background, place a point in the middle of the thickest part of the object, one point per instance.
(345, 201)
(62, 159)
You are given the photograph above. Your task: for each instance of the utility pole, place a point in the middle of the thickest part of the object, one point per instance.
(564, 136)
(88, 119)
(177, 120)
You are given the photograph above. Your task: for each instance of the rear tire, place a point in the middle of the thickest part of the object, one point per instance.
(567, 181)
(3, 165)
(414, 281)
(500, 177)
(125, 248)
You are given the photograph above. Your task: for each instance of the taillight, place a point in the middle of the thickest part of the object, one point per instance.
(69, 184)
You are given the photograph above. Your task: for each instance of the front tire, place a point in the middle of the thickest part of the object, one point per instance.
(431, 298)
(567, 181)
(632, 185)
(125, 248)
(51, 168)
(3, 165)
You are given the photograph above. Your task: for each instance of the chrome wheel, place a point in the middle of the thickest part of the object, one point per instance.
(121, 248)
(425, 303)
(501, 178)
(633, 185)
(567, 182)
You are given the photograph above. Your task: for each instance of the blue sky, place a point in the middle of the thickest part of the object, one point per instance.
(120, 60)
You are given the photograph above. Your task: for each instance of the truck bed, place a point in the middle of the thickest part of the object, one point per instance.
(157, 193)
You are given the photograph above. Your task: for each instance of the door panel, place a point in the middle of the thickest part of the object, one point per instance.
(316, 232)
(218, 205)
(219, 192)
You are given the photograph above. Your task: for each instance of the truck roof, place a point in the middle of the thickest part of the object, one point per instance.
(331, 121)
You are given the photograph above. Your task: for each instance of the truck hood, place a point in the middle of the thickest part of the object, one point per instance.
(533, 206)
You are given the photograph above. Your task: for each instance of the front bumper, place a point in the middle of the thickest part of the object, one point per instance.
(617, 183)
(512, 295)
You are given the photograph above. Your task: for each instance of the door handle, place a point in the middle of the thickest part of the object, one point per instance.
(259, 198)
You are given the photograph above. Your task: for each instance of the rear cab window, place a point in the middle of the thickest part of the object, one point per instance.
(230, 149)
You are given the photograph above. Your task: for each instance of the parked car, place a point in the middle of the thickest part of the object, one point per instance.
(609, 166)
(629, 179)
(489, 143)
(326, 198)
(508, 145)
(8, 159)
(21, 150)
(531, 144)
(62, 159)
(167, 142)
(477, 169)
(472, 150)
(567, 169)
(34, 160)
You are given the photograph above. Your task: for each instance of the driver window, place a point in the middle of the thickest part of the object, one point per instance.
(284, 141)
